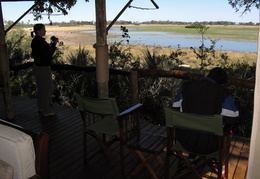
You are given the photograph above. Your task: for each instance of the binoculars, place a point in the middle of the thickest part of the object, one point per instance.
(53, 38)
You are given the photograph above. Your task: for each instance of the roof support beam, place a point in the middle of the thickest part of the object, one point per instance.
(119, 14)
(9, 28)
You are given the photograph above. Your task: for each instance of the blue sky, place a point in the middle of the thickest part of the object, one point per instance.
(172, 10)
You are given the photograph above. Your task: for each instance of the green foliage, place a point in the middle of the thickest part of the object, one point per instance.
(81, 57)
(57, 57)
(207, 55)
(175, 56)
(23, 83)
(121, 58)
(196, 26)
(19, 51)
(18, 45)
(246, 5)
(52, 6)
(67, 82)
(156, 93)
(125, 34)
(243, 98)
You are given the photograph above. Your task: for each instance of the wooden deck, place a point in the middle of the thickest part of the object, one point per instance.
(66, 153)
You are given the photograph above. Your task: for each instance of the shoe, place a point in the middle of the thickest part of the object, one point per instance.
(49, 114)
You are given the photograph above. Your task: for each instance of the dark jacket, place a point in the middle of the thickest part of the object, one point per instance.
(203, 96)
(42, 51)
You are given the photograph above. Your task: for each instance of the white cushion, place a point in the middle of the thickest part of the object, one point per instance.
(17, 150)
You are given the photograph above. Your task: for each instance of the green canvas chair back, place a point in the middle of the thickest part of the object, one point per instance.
(97, 106)
(206, 123)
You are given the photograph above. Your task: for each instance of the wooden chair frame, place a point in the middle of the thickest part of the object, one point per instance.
(206, 123)
(144, 145)
(122, 125)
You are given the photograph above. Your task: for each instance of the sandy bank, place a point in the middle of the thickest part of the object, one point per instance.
(66, 28)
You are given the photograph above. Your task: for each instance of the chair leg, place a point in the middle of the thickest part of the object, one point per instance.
(146, 163)
(122, 159)
(188, 164)
(84, 147)
(162, 163)
(225, 173)
(106, 149)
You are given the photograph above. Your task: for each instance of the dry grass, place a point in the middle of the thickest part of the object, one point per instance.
(73, 37)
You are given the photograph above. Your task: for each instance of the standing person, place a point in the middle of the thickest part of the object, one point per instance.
(42, 54)
(205, 96)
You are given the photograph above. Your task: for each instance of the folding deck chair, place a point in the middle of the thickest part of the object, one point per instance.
(148, 147)
(100, 119)
(206, 123)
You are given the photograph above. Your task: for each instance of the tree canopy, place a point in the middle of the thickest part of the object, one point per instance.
(51, 6)
(245, 5)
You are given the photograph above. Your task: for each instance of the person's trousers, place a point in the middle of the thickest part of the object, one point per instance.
(44, 88)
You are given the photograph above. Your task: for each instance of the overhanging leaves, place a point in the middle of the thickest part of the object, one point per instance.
(52, 6)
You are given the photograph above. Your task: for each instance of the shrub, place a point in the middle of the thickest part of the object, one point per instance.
(18, 46)
(196, 26)
(81, 57)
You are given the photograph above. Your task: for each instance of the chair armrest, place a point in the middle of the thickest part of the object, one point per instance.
(129, 122)
(131, 109)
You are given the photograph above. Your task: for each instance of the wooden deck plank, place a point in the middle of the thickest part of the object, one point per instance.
(66, 149)
(234, 156)
(241, 168)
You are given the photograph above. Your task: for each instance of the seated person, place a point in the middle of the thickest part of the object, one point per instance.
(204, 96)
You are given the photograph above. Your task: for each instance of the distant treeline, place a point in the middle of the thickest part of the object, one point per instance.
(184, 23)
(74, 22)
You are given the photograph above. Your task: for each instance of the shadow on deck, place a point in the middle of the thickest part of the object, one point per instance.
(66, 151)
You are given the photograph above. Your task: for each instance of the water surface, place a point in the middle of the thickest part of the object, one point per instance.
(172, 40)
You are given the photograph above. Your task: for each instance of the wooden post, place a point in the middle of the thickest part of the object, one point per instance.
(5, 71)
(102, 71)
(134, 87)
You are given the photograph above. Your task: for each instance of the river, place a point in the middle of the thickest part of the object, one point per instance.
(172, 40)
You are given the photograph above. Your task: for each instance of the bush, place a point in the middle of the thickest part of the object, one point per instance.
(81, 58)
(18, 46)
(195, 26)
(244, 98)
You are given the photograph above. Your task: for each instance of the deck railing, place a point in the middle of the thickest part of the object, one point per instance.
(179, 74)
(135, 74)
